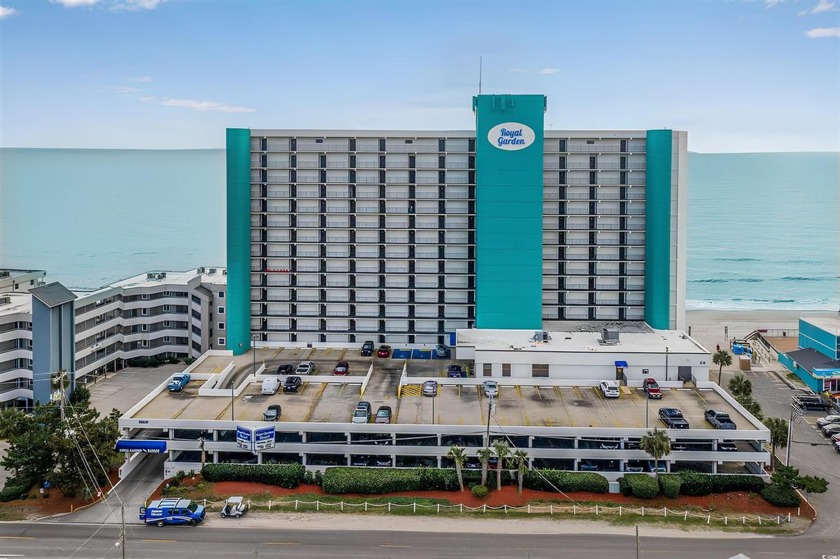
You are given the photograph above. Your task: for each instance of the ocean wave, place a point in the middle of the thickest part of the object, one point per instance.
(802, 278)
(740, 259)
(723, 280)
(762, 304)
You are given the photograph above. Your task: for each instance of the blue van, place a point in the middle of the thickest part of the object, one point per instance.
(172, 511)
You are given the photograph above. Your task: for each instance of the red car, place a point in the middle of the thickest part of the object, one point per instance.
(384, 351)
(651, 388)
(342, 368)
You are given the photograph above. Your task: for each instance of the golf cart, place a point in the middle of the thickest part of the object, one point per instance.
(234, 507)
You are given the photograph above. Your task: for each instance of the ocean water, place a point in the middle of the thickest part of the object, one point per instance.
(762, 228)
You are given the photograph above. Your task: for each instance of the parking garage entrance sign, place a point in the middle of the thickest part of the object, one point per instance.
(254, 440)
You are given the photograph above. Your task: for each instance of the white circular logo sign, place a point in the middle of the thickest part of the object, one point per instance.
(511, 136)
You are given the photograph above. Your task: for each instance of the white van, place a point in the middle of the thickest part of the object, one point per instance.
(271, 385)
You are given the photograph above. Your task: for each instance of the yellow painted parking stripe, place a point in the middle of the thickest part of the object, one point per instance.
(539, 394)
(179, 412)
(276, 353)
(558, 392)
(160, 541)
(548, 422)
(314, 402)
(519, 391)
(282, 543)
(598, 392)
(19, 538)
(527, 420)
(577, 392)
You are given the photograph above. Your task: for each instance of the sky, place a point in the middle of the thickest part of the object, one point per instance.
(760, 76)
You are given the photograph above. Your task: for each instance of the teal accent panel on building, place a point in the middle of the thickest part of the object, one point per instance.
(814, 337)
(509, 207)
(813, 383)
(238, 240)
(658, 229)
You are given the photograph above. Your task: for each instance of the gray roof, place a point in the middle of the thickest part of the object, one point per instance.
(811, 359)
(53, 294)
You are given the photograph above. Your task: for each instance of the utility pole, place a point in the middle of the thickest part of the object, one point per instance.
(666, 363)
(254, 350)
(232, 416)
(122, 530)
(637, 541)
(489, 411)
(794, 412)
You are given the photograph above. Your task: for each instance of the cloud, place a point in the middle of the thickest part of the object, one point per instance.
(821, 7)
(75, 3)
(123, 89)
(137, 5)
(772, 3)
(823, 32)
(543, 71)
(197, 105)
(7, 12)
(143, 79)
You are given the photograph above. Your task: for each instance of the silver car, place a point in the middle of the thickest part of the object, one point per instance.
(305, 368)
(430, 388)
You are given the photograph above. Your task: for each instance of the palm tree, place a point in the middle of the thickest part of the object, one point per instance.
(657, 444)
(456, 453)
(520, 459)
(722, 358)
(753, 407)
(502, 449)
(484, 455)
(778, 435)
(740, 386)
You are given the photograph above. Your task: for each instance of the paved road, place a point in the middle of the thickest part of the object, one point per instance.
(85, 540)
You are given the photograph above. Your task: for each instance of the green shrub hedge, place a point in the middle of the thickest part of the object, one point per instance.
(284, 475)
(375, 481)
(781, 496)
(695, 484)
(724, 483)
(480, 491)
(643, 486)
(473, 477)
(554, 480)
(670, 485)
(624, 487)
(14, 489)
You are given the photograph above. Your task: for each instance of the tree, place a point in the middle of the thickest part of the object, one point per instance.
(520, 459)
(778, 435)
(456, 453)
(751, 406)
(657, 444)
(740, 386)
(722, 358)
(502, 450)
(484, 455)
(788, 478)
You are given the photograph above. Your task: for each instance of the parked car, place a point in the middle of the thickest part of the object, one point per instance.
(827, 420)
(651, 388)
(719, 419)
(292, 384)
(286, 369)
(367, 348)
(727, 446)
(305, 368)
(383, 415)
(430, 388)
(835, 437)
(362, 413)
(831, 429)
(271, 413)
(654, 467)
(634, 466)
(812, 402)
(384, 351)
(343, 368)
(441, 351)
(455, 371)
(383, 461)
(587, 466)
(491, 388)
(234, 507)
(673, 418)
(270, 385)
(178, 382)
(609, 389)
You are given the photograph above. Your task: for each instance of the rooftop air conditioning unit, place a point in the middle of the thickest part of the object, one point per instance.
(609, 336)
(541, 336)
(5, 300)
(200, 270)
(151, 276)
(5, 273)
(161, 275)
(211, 271)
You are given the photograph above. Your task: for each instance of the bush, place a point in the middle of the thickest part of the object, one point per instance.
(670, 485)
(480, 491)
(283, 475)
(624, 487)
(643, 485)
(307, 477)
(382, 480)
(473, 477)
(724, 483)
(318, 478)
(695, 484)
(559, 480)
(14, 489)
(189, 361)
(781, 496)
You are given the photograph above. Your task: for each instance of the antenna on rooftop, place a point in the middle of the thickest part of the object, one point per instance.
(479, 74)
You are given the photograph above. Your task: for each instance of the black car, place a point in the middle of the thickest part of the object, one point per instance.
(292, 384)
(455, 371)
(672, 418)
(286, 369)
(272, 413)
(367, 348)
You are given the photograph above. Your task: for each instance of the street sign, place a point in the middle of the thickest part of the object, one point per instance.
(264, 438)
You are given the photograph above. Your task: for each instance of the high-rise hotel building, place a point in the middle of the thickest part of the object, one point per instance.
(406, 236)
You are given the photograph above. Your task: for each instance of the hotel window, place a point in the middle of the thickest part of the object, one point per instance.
(221, 294)
(487, 369)
(539, 370)
(221, 325)
(220, 310)
(505, 369)
(221, 342)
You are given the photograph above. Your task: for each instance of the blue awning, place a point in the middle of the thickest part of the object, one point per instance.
(621, 364)
(125, 445)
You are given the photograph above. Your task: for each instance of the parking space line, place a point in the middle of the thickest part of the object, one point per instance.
(566, 411)
(343, 352)
(180, 411)
(558, 392)
(315, 402)
(527, 420)
(276, 353)
(548, 422)
(519, 391)
(598, 392)
(578, 393)
(537, 388)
